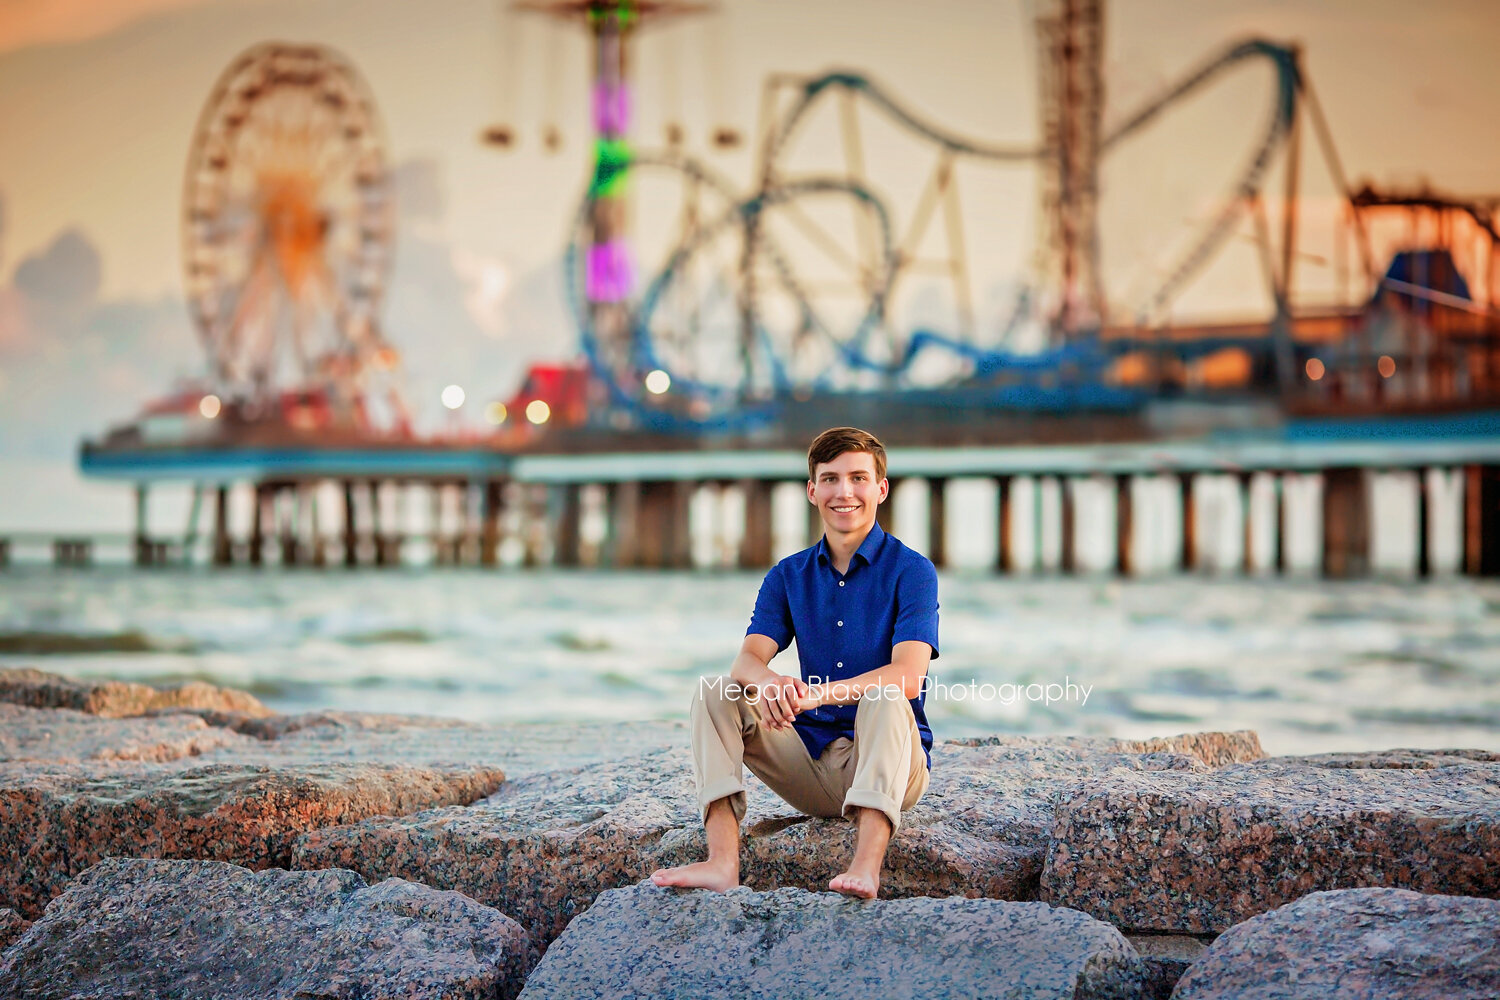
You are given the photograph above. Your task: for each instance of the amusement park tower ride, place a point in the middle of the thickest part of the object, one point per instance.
(609, 272)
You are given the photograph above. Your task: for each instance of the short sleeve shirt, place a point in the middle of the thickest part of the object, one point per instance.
(846, 624)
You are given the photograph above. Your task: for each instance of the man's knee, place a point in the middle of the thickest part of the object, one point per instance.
(718, 696)
(883, 707)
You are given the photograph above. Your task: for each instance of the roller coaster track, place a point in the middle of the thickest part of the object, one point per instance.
(729, 403)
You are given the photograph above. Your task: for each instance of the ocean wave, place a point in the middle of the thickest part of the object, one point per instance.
(1479, 716)
(577, 643)
(35, 643)
(382, 636)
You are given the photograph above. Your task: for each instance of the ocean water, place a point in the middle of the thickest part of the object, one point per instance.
(1313, 666)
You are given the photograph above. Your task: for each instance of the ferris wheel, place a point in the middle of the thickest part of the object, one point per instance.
(287, 225)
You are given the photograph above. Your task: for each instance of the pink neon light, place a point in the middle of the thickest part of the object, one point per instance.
(608, 274)
(611, 109)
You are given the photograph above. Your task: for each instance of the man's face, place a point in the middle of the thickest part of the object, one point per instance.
(846, 492)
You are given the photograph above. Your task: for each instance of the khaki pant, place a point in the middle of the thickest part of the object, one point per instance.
(883, 767)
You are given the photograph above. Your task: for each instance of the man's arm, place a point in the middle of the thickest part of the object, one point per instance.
(782, 695)
(907, 669)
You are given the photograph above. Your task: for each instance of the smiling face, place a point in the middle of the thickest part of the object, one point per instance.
(846, 493)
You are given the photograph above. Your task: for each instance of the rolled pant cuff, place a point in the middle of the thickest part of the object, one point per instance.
(868, 798)
(723, 788)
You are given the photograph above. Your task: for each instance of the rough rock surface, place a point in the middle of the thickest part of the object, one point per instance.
(544, 846)
(57, 820)
(231, 784)
(1418, 759)
(1213, 748)
(1356, 944)
(12, 926)
(117, 699)
(517, 748)
(322, 736)
(648, 942)
(63, 735)
(1165, 958)
(1200, 852)
(276, 727)
(171, 929)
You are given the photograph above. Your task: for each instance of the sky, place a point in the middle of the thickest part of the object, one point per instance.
(98, 102)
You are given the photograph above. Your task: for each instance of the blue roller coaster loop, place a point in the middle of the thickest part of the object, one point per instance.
(736, 407)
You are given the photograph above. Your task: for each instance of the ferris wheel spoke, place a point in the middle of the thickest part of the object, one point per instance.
(229, 321)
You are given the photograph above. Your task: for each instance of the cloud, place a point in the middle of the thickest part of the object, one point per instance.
(77, 381)
(72, 364)
(487, 281)
(67, 273)
(419, 191)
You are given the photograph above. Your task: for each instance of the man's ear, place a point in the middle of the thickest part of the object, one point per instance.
(885, 490)
(810, 498)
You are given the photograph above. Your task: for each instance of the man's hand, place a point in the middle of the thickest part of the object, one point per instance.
(782, 698)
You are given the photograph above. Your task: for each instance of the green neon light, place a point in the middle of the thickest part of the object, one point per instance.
(624, 13)
(611, 166)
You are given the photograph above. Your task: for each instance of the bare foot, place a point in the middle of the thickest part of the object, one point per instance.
(860, 884)
(703, 875)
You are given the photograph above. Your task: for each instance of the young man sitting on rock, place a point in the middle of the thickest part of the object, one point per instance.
(848, 737)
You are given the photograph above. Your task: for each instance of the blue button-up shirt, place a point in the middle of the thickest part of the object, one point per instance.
(846, 624)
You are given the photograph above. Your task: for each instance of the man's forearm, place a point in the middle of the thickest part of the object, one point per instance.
(750, 670)
(850, 690)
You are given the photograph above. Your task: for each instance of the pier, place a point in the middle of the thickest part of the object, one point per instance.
(1393, 496)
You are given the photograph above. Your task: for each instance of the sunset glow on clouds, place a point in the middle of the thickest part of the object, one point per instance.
(50, 22)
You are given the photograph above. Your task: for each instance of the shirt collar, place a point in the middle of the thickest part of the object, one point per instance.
(868, 549)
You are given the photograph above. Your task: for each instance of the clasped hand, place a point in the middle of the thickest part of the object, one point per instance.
(784, 698)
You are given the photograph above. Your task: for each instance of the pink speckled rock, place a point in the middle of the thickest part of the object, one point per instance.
(544, 846)
(190, 929)
(1200, 852)
(1216, 749)
(664, 944)
(62, 735)
(1417, 759)
(519, 748)
(332, 725)
(117, 699)
(12, 926)
(1356, 944)
(57, 820)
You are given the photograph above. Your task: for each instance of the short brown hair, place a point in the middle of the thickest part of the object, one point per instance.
(837, 440)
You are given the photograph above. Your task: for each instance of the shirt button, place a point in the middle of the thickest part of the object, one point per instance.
(841, 583)
(839, 664)
(841, 624)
